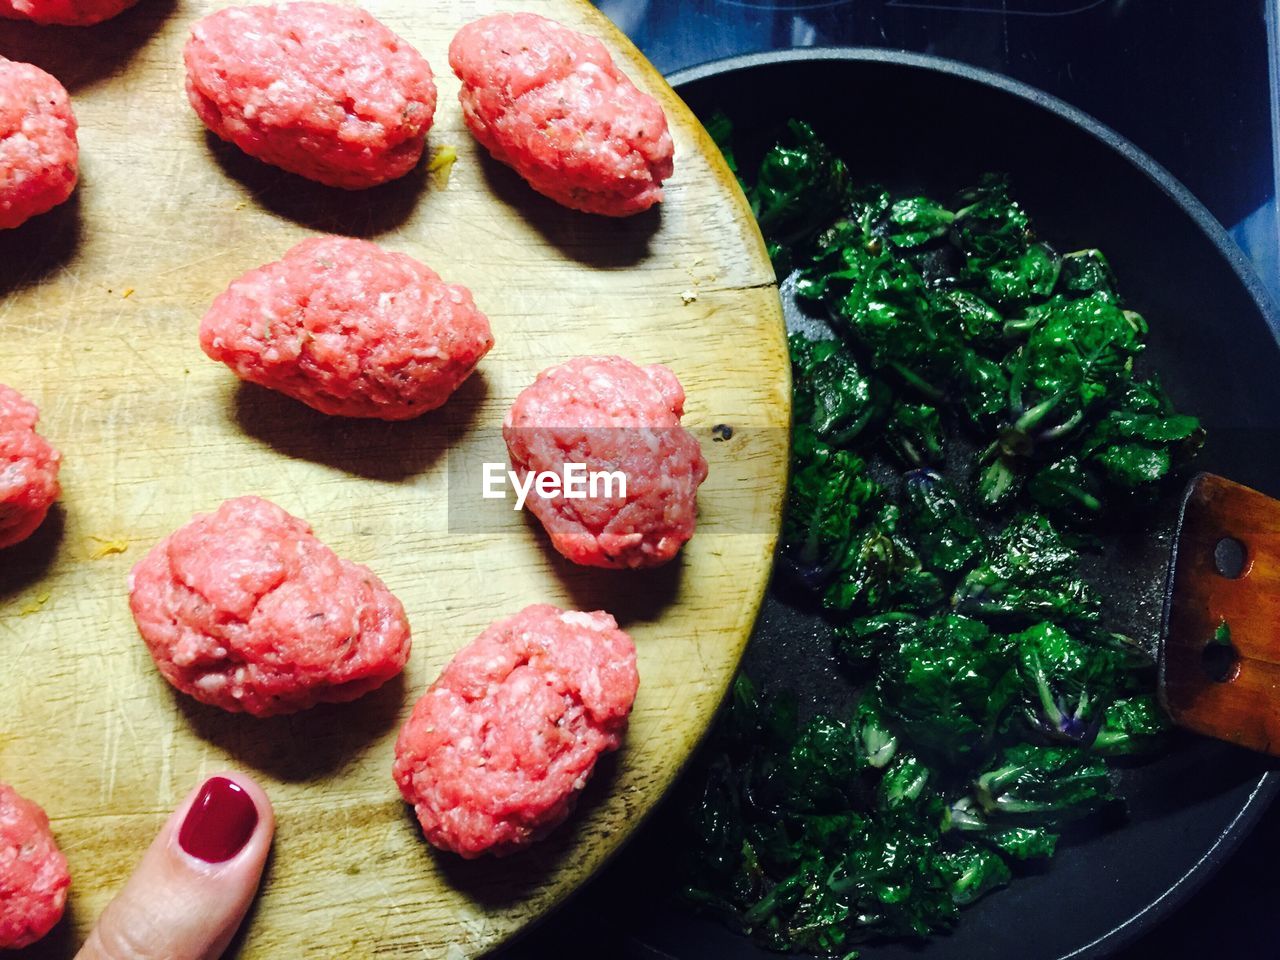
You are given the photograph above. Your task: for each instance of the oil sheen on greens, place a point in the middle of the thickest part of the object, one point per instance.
(993, 689)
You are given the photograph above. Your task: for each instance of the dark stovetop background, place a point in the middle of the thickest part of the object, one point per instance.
(1193, 84)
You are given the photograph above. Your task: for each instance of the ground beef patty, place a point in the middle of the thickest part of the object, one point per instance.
(246, 610)
(33, 872)
(70, 13)
(349, 329)
(550, 103)
(28, 469)
(39, 155)
(323, 91)
(499, 747)
(611, 415)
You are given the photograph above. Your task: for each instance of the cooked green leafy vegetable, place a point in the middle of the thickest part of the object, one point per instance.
(1087, 271)
(1067, 683)
(917, 220)
(1131, 725)
(975, 871)
(720, 129)
(973, 419)
(1140, 440)
(837, 400)
(946, 535)
(939, 685)
(914, 435)
(881, 570)
(829, 496)
(992, 227)
(797, 186)
(1049, 785)
(1029, 573)
(1022, 843)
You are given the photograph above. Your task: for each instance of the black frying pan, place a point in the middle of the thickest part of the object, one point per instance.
(916, 122)
(921, 123)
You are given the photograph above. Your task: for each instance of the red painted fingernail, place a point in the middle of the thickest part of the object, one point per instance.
(220, 822)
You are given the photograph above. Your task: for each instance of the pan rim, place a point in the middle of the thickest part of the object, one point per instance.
(1268, 784)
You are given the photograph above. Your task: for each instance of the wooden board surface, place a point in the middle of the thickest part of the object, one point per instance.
(99, 305)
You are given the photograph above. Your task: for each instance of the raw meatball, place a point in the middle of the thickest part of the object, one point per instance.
(349, 329)
(609, 414)
(499, 747)
(28, 469)
(39, 155)
(323, 91)
(33, 872)
(246, 610)
(550, 103)
(71, 13)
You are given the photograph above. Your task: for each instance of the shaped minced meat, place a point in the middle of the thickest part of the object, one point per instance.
(550, 103)
(39, 153)
(323, 91)
(246, 610)
(610, 415)
(498, 749)
(28, 469)
(68, 13)
(349, 329)
(33, 872)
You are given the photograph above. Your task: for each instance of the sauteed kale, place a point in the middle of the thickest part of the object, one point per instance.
(955, 444)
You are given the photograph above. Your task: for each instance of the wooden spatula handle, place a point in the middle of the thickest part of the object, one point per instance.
(1220, 662)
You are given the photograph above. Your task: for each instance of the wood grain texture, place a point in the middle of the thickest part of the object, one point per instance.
(1242, 706)
(99, 305)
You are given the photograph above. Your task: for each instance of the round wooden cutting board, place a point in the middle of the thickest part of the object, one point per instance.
(99, 306)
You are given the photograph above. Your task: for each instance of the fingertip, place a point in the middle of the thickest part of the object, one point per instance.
(195, 883)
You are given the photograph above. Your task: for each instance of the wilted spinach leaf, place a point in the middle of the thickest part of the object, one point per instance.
(946, 684)
(1029, 574)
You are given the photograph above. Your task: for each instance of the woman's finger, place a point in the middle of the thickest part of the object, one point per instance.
(188, 895)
